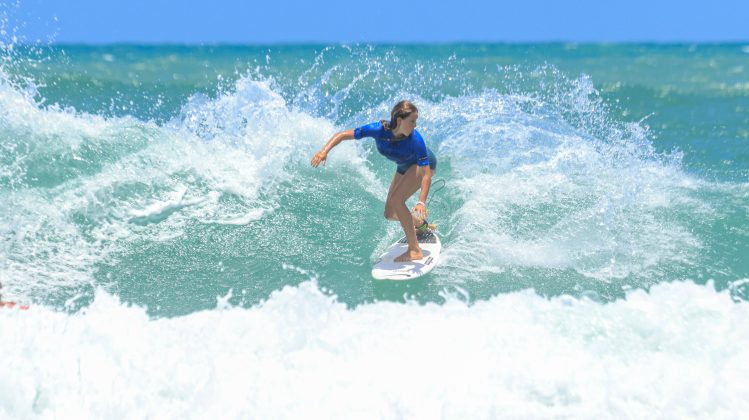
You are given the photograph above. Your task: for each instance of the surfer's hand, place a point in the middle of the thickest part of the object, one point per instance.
(319, 157)
(421, 211)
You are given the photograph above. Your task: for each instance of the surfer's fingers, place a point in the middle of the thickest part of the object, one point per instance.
(316, 159)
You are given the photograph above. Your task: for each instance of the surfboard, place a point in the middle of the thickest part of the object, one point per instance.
(385, 268)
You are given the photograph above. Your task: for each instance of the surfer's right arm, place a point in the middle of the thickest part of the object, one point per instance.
(337, 138)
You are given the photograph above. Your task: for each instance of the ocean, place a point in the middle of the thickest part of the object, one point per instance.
(182, 259)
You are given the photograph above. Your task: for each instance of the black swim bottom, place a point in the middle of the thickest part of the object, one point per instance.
(432, 163)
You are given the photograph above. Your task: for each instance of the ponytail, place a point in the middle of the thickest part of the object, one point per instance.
(401, 110)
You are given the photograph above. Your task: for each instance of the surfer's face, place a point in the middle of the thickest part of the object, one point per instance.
(407, 125)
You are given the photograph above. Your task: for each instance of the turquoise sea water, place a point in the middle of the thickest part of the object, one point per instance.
(595, 200)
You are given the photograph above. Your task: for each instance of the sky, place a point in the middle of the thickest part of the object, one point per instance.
(410, 21)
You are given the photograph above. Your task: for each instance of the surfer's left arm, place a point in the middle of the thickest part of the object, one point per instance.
(426, 181)
(425, 172)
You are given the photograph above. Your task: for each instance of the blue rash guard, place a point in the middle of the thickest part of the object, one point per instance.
(404, 152)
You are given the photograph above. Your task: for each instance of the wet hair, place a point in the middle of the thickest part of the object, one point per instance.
(401, 110)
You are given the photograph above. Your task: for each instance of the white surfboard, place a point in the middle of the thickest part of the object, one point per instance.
(387, 269)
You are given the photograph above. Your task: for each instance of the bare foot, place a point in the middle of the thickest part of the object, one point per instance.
(410, 255)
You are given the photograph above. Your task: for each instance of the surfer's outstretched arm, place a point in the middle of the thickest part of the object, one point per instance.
(334, 141)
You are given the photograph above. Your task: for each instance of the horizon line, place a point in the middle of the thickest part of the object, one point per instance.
(364, 43)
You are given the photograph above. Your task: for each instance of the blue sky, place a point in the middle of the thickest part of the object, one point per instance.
(285, 21)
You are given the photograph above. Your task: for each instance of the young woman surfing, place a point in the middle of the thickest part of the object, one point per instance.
(398, 141)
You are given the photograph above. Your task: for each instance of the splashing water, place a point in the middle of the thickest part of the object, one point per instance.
(593, 262)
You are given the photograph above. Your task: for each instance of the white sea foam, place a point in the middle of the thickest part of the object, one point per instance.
(679, 351)
(539, 192)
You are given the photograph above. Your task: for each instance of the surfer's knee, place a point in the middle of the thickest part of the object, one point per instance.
(390, 213)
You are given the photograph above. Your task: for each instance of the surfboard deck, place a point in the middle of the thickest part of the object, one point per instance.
(387, 269)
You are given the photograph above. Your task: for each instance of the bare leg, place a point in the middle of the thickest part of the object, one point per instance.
(389, 211)
(389, 202)
(389, 208)
(403, 187)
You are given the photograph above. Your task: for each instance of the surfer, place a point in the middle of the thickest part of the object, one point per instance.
(398, 141)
